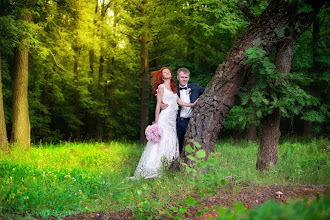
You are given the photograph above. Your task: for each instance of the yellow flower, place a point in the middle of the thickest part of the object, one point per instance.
(34, 178)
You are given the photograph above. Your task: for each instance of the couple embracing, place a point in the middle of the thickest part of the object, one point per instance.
(172, 120)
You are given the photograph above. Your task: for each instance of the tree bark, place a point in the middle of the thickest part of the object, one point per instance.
(99, 126)
(21, 122)
(270, 125)
(251, 133)
(76, 95)
(231, 75)
(3, 130)
(270, 135)
(145, 86)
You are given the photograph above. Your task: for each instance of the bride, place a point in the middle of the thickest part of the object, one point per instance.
(157, 156)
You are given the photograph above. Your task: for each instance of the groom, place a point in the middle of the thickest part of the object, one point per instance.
(188, 92)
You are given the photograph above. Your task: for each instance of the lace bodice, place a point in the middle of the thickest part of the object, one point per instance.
(169, 98)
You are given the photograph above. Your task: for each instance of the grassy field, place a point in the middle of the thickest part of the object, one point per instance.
(57, 180)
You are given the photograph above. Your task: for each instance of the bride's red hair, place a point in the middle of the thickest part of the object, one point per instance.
(156, 80)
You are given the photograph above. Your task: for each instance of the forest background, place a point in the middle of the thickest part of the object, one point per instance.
(87, 65)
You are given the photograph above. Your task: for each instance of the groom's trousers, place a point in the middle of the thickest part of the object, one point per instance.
(181, 127)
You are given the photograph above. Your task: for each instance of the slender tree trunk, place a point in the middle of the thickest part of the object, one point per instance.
(251, 133)
(316, 38)
(145, 86)
(237, 134)
(3, 131)
(231, 75)
(76, 96)
(99, 126)
(307, 128)
(21, 122)
(270, 125)
(101, 89)
(315, 67)
(88, 117)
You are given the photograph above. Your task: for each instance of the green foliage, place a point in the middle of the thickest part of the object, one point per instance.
(273, 89)
(306, 209)
(239, 116)
(305, 8)
(203, 183)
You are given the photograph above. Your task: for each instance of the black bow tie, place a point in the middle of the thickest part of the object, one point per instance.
(183, 88)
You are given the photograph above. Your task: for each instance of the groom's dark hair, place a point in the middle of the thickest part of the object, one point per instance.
(183, 69)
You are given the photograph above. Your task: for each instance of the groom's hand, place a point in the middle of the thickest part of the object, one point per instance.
(163, 106)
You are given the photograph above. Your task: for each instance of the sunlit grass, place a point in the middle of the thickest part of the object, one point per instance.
(77, 177)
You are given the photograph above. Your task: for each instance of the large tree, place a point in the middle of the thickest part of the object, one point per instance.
(21, 123)
(231, 75)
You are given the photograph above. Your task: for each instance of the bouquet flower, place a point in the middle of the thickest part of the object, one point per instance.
(154, 133)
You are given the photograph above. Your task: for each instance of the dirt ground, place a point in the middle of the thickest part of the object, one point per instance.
(252, 196)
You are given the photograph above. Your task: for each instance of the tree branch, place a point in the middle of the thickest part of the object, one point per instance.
(135, 38)
(245, 10)
(137, 5)
(107, 6)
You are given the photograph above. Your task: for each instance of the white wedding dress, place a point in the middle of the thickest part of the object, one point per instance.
(158, 156)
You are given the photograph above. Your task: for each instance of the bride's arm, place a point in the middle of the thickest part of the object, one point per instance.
(160, 94)
(181, 103)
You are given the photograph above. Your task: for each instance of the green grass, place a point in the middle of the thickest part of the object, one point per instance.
(298, 163)
(72, 178)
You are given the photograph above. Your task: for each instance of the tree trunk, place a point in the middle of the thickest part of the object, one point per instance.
(270, 134)
(307, 128)
(145, 86)
(76, 96)
(316, 37)
(88, 117)
(315, 67)
(99, 126)
(21, 122)
(270, 125)
(3, 131)
(237, 134)
(251, 134)
(231, 75)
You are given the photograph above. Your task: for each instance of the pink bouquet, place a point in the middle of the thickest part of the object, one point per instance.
(154, 133)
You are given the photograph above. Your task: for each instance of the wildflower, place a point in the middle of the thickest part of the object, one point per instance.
(80, 192)
(101, 173)
(34, 178)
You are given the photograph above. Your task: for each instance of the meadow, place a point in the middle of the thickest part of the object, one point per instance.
(69, 178)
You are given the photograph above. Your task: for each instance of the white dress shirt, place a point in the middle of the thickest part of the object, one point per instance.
(185, 112)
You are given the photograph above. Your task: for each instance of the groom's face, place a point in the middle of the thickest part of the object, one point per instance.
(183, 78)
